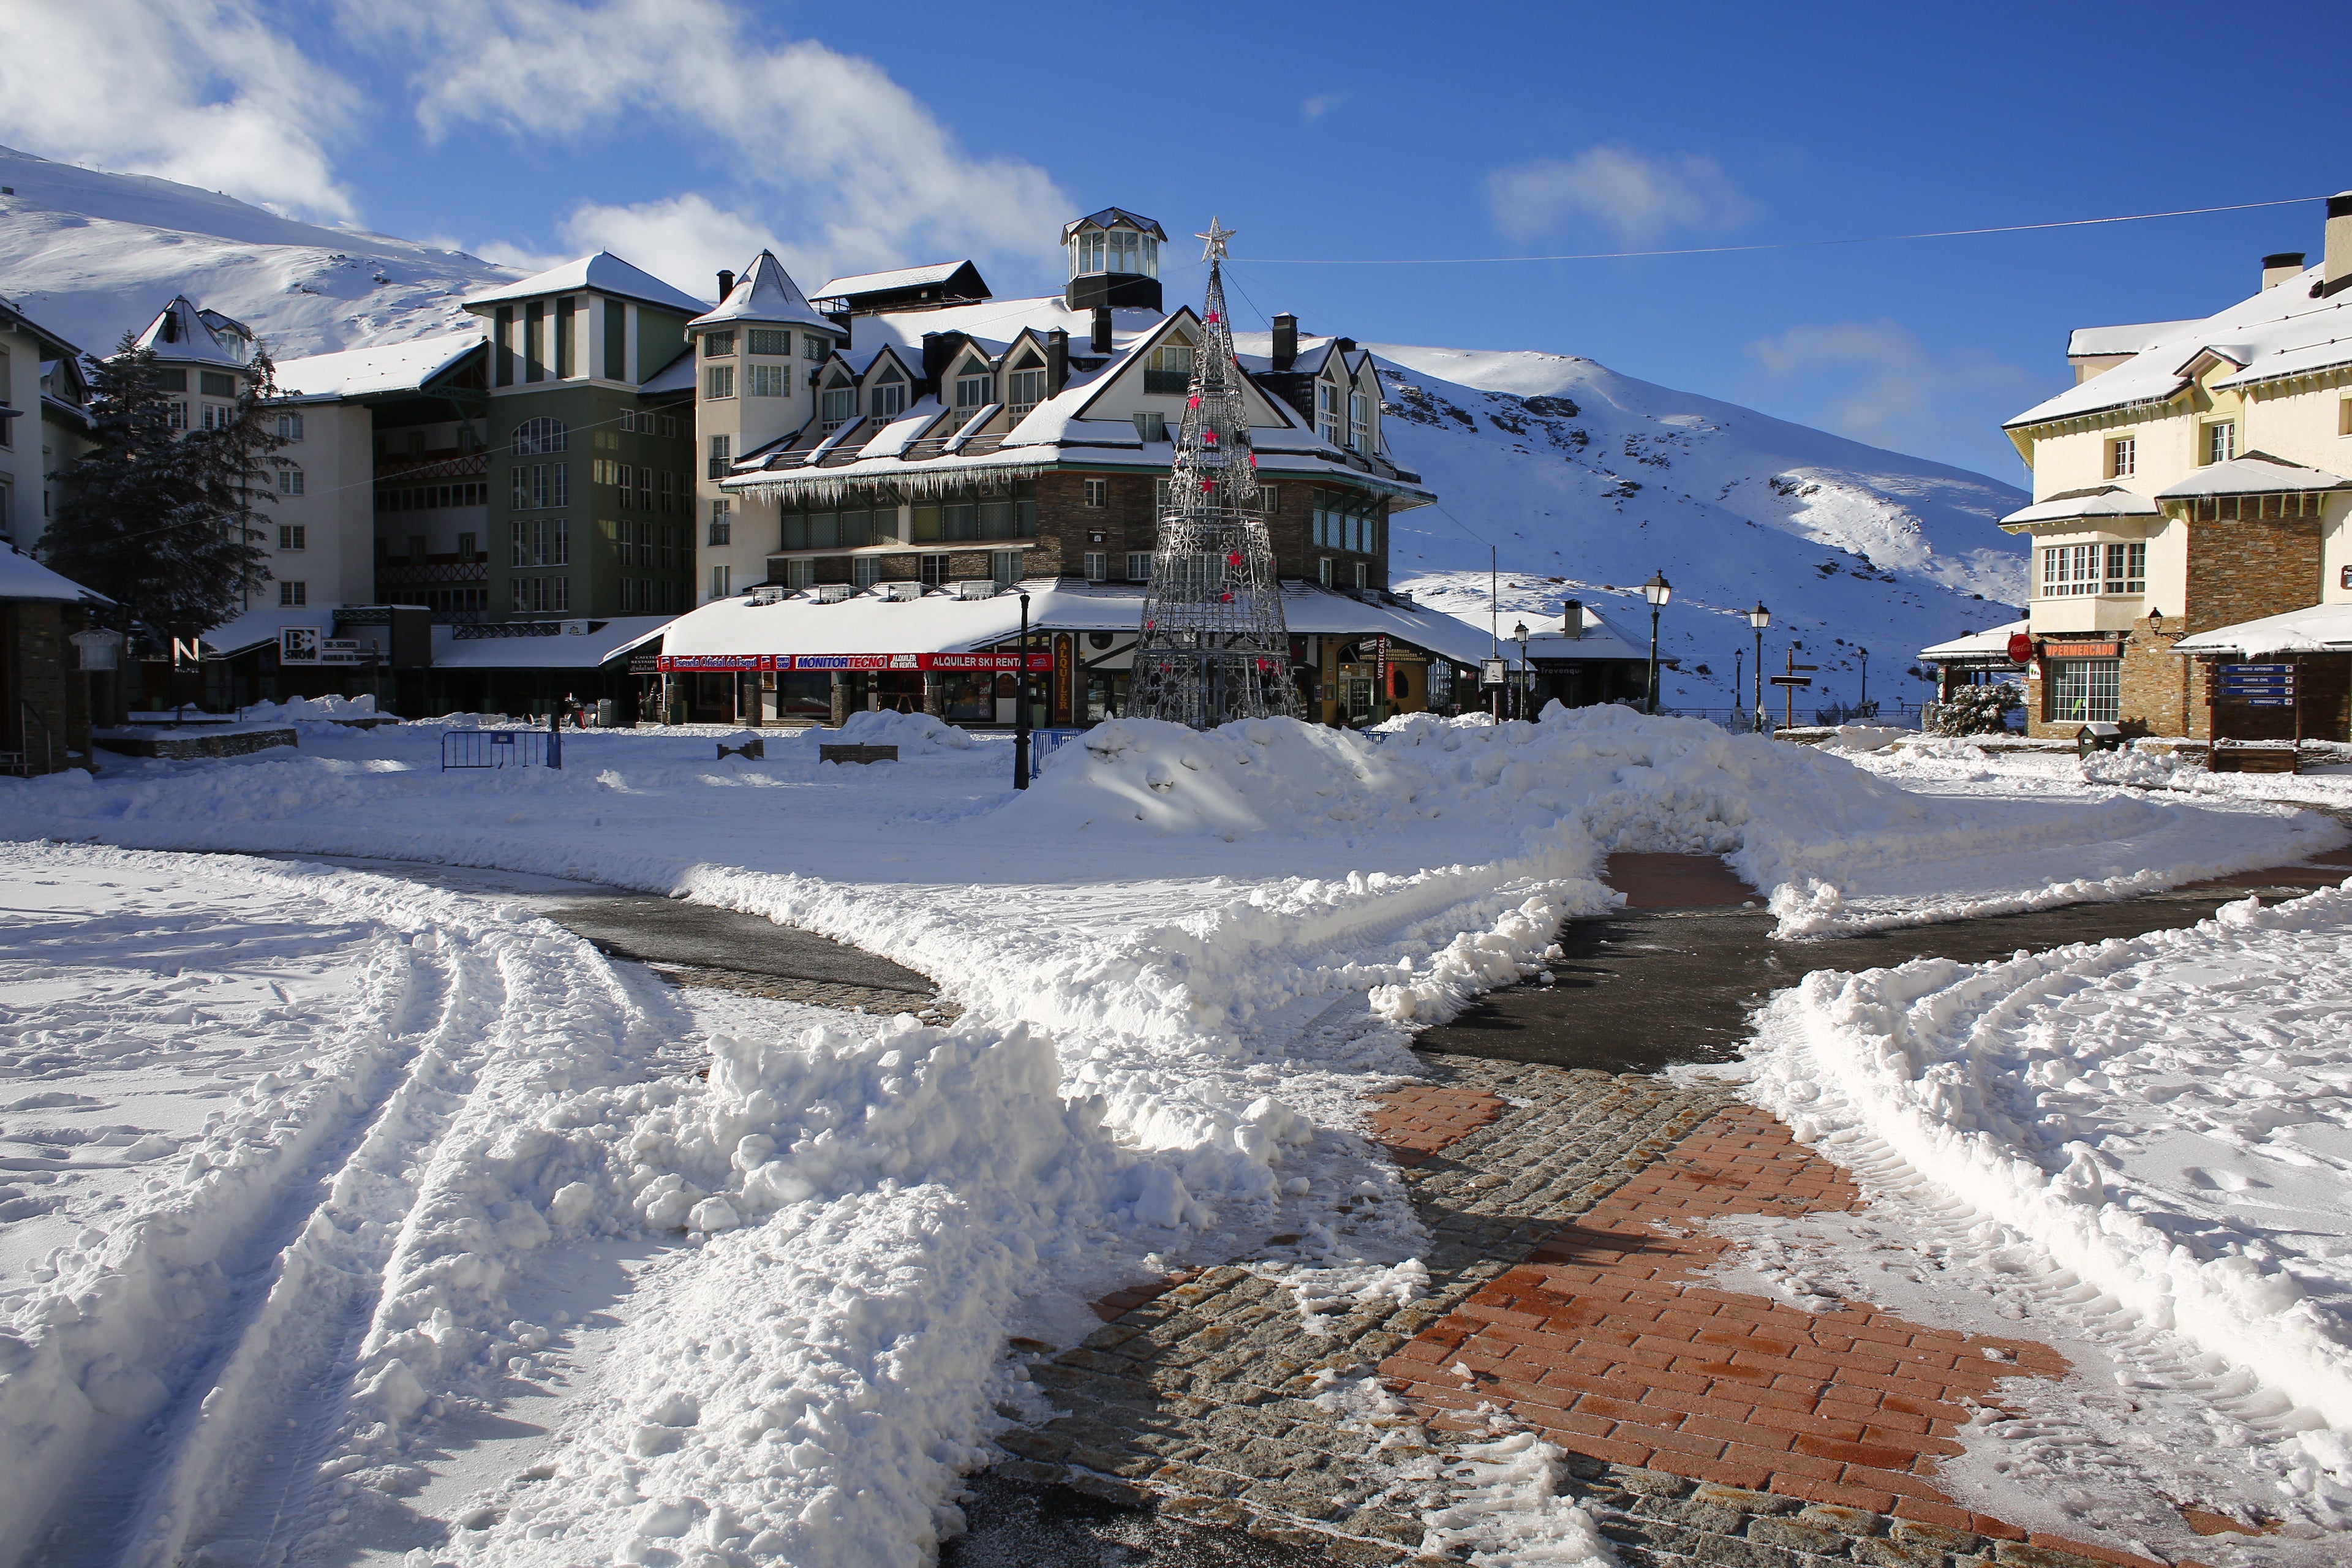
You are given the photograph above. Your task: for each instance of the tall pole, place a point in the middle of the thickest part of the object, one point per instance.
(1863, 703)
(1739, 680)
(1653, 658)
(1760, 680)
(1021, 706)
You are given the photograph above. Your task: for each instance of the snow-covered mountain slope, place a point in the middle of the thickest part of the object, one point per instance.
(89, 255)
(1588, 481)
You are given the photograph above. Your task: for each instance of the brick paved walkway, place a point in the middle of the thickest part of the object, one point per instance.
(1608, 1341)
(1704, 1427)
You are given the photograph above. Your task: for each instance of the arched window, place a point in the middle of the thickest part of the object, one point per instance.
(536, 438)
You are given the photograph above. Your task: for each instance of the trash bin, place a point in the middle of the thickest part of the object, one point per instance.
(2098, 737)
(604, 713)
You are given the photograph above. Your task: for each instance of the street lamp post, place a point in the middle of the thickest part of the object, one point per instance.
(1657, 590)
(1863, 701)
(1526, 676)
(1021, 706)
(1759, 617)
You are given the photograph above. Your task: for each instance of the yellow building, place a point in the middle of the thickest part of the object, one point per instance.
(2190, 484)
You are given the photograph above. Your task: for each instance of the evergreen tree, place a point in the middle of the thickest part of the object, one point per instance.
(160, 520)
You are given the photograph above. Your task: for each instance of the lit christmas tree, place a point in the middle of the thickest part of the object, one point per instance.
(1213, 647)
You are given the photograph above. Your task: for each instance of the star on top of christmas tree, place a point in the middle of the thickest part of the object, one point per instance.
(1216, 236)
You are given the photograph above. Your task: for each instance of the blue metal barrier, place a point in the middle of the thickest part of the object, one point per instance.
(1043, 743)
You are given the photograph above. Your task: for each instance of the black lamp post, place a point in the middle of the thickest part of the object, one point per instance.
(1759, 617)
(1657, 590)
(1021, 706)
(1526, 674)
(1863, 701)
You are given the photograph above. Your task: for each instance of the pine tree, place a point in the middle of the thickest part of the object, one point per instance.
(161, 520)
(1214, 648)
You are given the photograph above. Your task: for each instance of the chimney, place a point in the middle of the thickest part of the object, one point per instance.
(1101, 344)
(2277, 269)
(726, 284)
(1058, 361)
(937, 349)
(1285, 340)
(1345, 345)
(1571, 617)
(2338, 255)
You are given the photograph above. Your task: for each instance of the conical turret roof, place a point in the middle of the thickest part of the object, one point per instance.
(765, 294)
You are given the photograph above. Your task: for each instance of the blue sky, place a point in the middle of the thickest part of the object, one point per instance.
(684, 133)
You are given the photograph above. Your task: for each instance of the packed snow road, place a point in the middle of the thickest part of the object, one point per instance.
(528, 1288)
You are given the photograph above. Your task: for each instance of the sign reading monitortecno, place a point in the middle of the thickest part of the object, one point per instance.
(718, 663)
(2258, 685)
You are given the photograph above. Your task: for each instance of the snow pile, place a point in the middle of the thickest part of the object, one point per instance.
(873, 1204)
(2164, 1117)
(915, 734)
(311, 709)
(2323, 783)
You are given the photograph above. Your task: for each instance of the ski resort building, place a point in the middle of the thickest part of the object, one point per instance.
(916, 448)
(591, 443)
(44, 423)
(2192, 562)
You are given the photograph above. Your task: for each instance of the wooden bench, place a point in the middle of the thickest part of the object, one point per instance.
(856, 753)
(756, 747)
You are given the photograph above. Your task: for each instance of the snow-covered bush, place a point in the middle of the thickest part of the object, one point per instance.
(1978, 709)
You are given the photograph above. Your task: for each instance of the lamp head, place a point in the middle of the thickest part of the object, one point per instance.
(1520, 631)
(1657, 590)
(1759, 617)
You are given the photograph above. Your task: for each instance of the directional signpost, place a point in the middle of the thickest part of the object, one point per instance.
(1792, 681)
(2259, 685)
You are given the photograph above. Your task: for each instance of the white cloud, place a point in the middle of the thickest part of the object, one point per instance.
(1879, 384)
(208, 92)
(857, 169)
(1323, 103)
(1637, 198)
(682, 240)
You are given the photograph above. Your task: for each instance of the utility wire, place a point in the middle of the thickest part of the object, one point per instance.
(1774, 244)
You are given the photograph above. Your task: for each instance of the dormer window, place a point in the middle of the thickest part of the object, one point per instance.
(1359, 421)
(974, 387)
(836, 404)
(889, 393)
(1327, 410)
(1025, 388)
(1169, 367)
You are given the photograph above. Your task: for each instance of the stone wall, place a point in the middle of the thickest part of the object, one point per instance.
(2244, 571)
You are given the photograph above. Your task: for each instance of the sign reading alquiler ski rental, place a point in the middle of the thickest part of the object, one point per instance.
(714, 663)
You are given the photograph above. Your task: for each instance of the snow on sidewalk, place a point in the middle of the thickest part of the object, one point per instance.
(2161, 1123)
(1181, 956)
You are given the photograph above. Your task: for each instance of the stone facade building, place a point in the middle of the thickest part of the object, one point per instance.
(2191, 483)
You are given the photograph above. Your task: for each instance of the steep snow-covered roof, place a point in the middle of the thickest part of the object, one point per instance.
(2320, 628)
(765, 293)
(1992, 643)
(677, 375)
(22, 577)
(182, 332)
(2256, 473)
(897, 277)
(359, 372)
(2282, 330)
(603, 272)
(2102, 501)
(2095, 342)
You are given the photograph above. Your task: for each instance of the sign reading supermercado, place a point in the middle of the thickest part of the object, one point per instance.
(697, 663)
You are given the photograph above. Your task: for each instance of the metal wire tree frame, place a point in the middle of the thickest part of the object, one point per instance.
(1214, 648)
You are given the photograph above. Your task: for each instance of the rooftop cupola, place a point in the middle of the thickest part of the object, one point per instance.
(1114, 260)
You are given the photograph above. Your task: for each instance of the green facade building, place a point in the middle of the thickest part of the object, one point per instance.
(592, 480)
